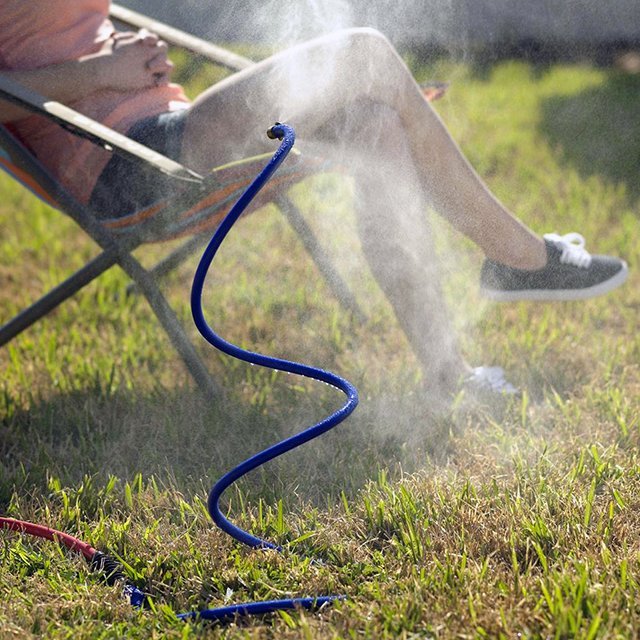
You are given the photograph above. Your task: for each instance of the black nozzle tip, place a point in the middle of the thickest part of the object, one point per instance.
(272, 134)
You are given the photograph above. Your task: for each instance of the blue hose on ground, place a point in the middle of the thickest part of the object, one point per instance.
(287, 137)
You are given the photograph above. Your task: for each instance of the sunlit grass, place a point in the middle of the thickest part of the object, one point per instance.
(511, 521)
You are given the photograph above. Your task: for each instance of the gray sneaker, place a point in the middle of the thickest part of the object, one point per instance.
(571, 273)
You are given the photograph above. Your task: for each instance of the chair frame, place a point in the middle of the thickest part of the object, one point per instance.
(117, 250)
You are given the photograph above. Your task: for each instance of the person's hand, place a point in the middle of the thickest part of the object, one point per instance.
(132, 60)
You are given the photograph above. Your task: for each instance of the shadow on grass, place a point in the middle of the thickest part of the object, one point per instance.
(185, 442)
(598, 131)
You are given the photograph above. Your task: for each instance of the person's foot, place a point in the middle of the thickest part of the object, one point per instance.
(490, 380)
(571, 273)
(434, 90)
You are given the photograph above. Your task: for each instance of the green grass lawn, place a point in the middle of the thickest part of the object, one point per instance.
(519, 520)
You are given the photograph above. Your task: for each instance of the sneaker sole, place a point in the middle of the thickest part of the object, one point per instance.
(555, 295)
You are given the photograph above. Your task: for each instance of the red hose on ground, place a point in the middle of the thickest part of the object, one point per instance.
(40, 531)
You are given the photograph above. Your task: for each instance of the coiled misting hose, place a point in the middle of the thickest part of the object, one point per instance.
(287, 136)
(109, 566)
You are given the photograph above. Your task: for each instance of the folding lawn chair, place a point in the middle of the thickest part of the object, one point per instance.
(197, 207)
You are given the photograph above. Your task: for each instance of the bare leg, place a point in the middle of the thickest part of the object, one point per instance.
(309, 85)
(369, 107)
(397, 240)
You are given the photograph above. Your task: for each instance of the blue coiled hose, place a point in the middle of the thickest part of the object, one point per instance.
(286, 135)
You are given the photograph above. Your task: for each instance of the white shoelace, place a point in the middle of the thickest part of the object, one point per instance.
(572, 246)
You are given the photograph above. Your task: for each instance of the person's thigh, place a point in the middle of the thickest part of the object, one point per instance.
(304, 86)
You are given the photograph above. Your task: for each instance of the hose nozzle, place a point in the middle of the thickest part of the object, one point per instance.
(275, 132)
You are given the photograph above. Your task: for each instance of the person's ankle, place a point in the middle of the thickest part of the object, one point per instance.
(444, 380)
(533, 258)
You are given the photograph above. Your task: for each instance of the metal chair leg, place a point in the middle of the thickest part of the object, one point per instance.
(174, 329)
(334, 280)
(165, 266)
(57, 296)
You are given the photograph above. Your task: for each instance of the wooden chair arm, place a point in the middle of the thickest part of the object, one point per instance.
(181, 39)
(94, 131)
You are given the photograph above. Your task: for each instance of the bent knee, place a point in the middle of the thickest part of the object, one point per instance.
(367, 39)
(368, 36)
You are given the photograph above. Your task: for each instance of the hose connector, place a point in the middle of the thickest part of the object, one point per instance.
(113, 574)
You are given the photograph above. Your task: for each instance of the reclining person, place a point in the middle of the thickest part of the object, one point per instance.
(348, 95)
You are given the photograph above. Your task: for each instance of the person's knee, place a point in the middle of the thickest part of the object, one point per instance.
(368, 39)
